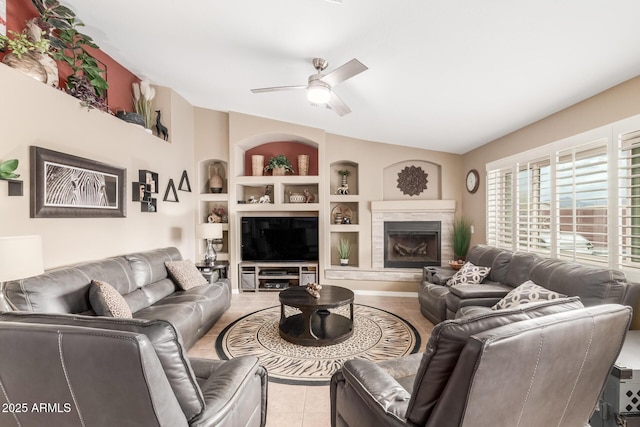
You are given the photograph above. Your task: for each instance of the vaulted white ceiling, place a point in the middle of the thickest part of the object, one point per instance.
(447, 75)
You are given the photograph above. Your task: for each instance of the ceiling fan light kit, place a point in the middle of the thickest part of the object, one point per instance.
(319, 87)
(318, 93)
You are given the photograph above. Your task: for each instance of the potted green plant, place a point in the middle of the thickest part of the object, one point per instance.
(7, 169)
(461, 237)
(344, 173)
(279, 165)
(60, 25)
(24, 54)
(344, 251)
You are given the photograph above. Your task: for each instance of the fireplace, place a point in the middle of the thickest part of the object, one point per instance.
(411, 244)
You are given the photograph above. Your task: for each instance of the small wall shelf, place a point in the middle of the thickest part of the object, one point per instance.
(15, 187)
(143, 189)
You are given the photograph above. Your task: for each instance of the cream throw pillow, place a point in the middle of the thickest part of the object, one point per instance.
(107, 301)
(185, 274)
(469, 274)
(526, 293)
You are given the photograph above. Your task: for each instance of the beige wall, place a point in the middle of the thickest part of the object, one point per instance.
(34, 114)
(614, 104)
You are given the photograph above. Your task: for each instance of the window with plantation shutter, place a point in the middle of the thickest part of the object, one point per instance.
(582, 203)
(533, 217)
(577, 198)
(500, 208)
(629, 199)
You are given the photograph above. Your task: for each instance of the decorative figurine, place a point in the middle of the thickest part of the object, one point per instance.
(163, 132)
(267, 195)
(343, 189)
(308, 197)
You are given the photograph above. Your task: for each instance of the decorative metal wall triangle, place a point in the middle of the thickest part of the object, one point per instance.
(184, 181)
(172, 187)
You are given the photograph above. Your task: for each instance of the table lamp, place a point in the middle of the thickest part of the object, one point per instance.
(210, 232)
(20, 257)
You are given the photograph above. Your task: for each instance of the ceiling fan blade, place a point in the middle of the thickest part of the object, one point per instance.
(338, 105)
(344, 72)
(277, 88)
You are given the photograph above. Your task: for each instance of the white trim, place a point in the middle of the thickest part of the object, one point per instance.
(387, 293)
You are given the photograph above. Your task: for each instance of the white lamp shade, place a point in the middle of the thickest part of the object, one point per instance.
(20, 257)
(210, 230)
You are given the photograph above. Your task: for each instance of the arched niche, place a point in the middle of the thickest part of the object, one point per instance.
(403, 179)
(270, 145)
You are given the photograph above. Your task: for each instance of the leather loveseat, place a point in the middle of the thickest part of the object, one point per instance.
(141, 278)
(62, 370)
(509, 270)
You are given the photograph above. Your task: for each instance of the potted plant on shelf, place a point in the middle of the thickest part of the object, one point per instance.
(7, 169)
(344, 173)
(344, 251)
(25, 53)
(60, 25)
(279, 165)
(461, 238)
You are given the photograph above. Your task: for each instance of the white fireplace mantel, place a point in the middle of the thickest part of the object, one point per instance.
(413, 206)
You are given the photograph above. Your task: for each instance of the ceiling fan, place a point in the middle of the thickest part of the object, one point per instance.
(319, 87)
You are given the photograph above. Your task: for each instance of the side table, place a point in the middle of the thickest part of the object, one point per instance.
(213, 272)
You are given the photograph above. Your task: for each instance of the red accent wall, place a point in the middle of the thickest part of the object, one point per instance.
(290, 149)
(119, 95)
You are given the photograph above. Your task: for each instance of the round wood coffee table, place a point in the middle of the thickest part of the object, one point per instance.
(316, 326)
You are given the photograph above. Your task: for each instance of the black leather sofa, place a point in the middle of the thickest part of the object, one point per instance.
(509, 269)
(141, 278)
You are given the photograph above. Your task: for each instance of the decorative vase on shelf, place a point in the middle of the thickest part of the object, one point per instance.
(257, 165)
(279, 171)
(344, 261)
(28, 64)
(215, 181)
(303, 164)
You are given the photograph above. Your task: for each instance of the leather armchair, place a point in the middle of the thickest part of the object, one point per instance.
(65, 370)
(534, 366)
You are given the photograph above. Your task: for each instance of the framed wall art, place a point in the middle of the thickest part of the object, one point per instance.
(66, 186)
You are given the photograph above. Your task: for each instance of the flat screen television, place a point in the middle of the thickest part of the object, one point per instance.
(280, 238)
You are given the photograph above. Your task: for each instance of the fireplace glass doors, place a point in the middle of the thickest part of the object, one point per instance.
(411, 244)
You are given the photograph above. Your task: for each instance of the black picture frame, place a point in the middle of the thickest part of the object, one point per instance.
(67, 186)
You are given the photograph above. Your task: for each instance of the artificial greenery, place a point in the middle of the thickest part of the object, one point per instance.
(344, 249)
(60, 25)
(279, 161)
(344, 172)
(21, 45)
(461, 237)
(7, 169)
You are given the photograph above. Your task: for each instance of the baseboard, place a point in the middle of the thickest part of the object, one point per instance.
(387, 294)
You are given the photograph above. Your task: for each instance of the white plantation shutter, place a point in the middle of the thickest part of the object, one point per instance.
(500, 208)
(582, 203)
(629, 199)
(533, 217)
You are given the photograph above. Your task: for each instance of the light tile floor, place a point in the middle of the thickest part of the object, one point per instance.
(303, 406)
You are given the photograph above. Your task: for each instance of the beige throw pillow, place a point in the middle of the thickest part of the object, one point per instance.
(526, 293)
(185, 274)
(107, 301)
(469, 274)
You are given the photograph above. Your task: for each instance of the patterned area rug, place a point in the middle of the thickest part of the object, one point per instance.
(378, 335)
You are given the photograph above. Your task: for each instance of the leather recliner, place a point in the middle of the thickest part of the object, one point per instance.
(539, 364)
(66, 370)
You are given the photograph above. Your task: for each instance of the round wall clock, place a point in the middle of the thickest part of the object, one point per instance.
(473, 181)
